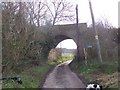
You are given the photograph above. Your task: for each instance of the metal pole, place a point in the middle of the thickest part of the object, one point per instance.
(77, 34)
(96, 32)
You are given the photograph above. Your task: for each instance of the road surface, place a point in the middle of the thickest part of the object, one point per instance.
(63, 77)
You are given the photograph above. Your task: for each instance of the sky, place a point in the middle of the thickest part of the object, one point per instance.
(68, 43)
(102, 9)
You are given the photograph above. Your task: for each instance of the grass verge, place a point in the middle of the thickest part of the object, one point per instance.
(32, 78)
(106, 74)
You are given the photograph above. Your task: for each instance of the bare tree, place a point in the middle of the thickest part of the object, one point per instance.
(30, 12)
(41, 12)
(59, 10)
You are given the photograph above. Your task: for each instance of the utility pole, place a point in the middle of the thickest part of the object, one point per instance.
(77, 34)
(96, 32)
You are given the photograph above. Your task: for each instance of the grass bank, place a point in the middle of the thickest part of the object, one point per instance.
(32, 78)
(64, 57)
(106, 74)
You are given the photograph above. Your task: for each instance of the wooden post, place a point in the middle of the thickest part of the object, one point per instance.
(96, 32)
(77, 34)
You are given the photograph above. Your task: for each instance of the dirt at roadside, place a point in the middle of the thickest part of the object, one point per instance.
(109, 81)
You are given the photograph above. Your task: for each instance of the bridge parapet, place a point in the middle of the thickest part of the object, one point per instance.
(69, 29)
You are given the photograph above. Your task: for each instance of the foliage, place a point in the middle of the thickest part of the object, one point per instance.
(20, 45)
(107, 37)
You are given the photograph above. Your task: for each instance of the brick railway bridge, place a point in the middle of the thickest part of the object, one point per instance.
(68, 31)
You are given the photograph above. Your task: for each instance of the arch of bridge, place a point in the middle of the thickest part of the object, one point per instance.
(62, 32)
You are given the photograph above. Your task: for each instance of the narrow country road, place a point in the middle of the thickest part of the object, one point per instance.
(63, 77)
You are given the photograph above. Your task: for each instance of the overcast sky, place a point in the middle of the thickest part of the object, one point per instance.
(102, 9)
